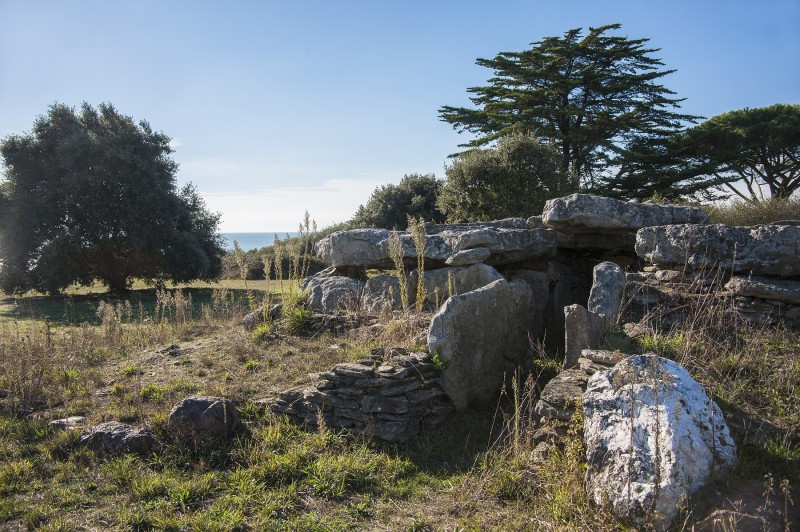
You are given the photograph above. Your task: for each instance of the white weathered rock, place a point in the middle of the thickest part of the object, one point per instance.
(783, 290)
(475, 334)
(67, 423)
(608, 289)
(200, 416)
(758, 250)
(584, 213)
(653, 437)
(329, 292)
(506, 241)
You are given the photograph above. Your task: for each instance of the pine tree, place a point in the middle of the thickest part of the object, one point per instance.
(591, 95)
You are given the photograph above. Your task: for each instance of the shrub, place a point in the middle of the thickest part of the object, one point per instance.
(763, 212)
(390, 206)
(513, 179)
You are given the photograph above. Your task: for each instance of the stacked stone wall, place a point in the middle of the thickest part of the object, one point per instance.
(391, 396)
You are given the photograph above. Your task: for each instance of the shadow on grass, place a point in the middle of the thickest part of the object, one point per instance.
(455, 446)
(79, 308)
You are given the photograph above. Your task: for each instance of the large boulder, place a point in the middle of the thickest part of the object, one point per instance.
(584, 213)
(477, 335)
(328, 291)
(608, 289)
(653, 437)
(506, 241)
(443, 283)
(260, 315)
(382, 293)
(203, 417)
(118, 437)
(757, 250)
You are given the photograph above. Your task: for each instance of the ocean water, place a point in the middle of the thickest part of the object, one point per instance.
(248, 241)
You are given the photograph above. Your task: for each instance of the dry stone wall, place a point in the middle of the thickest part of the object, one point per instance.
(751, 272)
(390, 396)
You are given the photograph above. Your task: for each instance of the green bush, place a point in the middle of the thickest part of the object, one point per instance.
(513, 179)
(389, 206)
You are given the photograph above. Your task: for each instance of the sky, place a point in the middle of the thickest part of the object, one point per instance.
(276, 108)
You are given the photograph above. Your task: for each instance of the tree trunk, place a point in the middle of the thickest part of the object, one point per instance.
(118, 284)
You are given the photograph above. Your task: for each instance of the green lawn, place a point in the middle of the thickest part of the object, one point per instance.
(80, 304)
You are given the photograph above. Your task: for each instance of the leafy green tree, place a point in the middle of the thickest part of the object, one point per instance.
(389, 206)
(92, 195)
(589, 94)
(757, 148)
(658, 168)
(743, 152)
(513, 179)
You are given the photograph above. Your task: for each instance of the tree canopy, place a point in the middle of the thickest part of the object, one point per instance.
(754, 147)
(515, 178)
(589, 94)
(92, 195)
(389, 206)
(743, 152)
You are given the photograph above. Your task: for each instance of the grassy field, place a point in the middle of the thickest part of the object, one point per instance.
(85, 354)
(81, 303)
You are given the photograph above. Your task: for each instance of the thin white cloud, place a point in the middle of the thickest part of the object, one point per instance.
(242, 176)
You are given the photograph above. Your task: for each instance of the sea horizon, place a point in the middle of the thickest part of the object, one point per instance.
(249, 241)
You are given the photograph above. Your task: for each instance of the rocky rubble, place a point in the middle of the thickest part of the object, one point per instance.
(663, 297)
(389, 396)
(562, 396)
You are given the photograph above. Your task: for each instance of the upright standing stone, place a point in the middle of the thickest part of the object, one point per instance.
(583, 329)
(475, 334)
(608, 288)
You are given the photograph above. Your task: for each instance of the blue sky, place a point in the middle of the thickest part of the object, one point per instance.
(279, 107)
